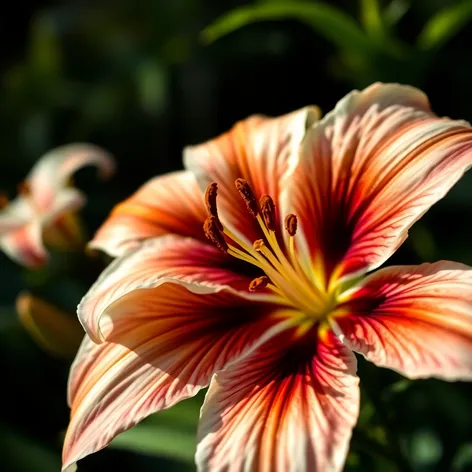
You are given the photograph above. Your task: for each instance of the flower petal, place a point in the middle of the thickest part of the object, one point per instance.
(289, 406)
(260, 150)
(56, 331)
(16, 213)
(25, 246)
(416, 320)
(369, 170)
(172, 203)
(198, 266)
(55, 168)
(163, 345)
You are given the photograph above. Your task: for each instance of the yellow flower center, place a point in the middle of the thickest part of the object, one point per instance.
(299, 285)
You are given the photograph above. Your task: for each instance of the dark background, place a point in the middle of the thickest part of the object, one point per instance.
(137, 78)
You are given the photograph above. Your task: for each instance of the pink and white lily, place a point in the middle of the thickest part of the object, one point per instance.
(43, 211)
(250, 273)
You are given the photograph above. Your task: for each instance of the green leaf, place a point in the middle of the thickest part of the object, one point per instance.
(444, 25)
(325, 19)
(372, 19)
(463, 459)
(170, 433)
(395, 11)
(158, 440)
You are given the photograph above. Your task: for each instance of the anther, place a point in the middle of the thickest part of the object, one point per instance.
(210, 202)
(213, 233)
(268, 212)
(23, 188)
(248, 196)
(3, 200)
(259, 283)
(258, 244)
(291, 223)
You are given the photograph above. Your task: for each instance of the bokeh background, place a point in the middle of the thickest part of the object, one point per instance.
(144, 78)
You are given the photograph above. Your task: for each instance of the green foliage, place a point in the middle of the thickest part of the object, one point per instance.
(444, 25)
(134, 78)
(369, 53)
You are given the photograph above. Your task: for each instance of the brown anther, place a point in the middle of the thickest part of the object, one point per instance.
(268, 212)
(248, 196)
(258, 244)
(213, 233)
(3, 200)
(259, 283)
(210, 202)
(291, 224)
(24, 188)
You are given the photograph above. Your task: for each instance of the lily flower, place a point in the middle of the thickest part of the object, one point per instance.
(43, 212)
(267, 303)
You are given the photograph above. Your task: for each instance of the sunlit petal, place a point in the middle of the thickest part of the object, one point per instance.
(369, 170)
(416, 320)
(16, 213)
(172, 203)
(163, 345)
(198, 266)
(54, 170)
(261, 150)
(289, 406)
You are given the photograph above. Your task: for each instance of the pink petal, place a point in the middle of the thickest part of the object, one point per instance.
(198, 266)
(289, 406)
(416, 320)
(163, 345)
(260, 150)
(22, 226)
(369, 170)
(16, 213)
(172, 203)
(24, 245)
(54, 170)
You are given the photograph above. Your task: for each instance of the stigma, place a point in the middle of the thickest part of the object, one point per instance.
(294, 281)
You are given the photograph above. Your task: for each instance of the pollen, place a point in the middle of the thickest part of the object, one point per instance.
(259, 283)
(24, 188)
(3, 200)
(293, 281)
(248, 196)
(212, 230)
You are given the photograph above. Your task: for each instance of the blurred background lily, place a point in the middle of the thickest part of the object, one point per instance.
(141, 80)
(45, 210)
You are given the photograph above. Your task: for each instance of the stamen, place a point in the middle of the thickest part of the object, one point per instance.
(248, 196)
(268, 212)
(258, 244)
(210, 202)
(214, 234)
(24, 188)
(3, 200)
(259, 283)
(291, 224)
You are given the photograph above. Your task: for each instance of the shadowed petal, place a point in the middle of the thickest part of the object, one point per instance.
(416, 320)
(369, 170)
(172, 203)
(55, 168)
(200, 267)
(163, 345)
(288, 407)
(262, 151)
